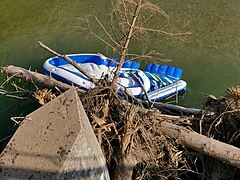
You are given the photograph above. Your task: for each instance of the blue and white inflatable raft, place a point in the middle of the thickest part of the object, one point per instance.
(159, 80)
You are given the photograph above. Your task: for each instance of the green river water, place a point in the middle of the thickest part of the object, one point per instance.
(209, 58)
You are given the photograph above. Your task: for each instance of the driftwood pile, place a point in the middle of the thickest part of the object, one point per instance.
(142, 143)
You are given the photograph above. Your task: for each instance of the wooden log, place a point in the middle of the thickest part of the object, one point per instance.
(36, 78)
(181, 109)
(170, 107)
(211, 147)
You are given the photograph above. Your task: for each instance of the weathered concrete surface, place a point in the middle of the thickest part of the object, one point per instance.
(54, 142)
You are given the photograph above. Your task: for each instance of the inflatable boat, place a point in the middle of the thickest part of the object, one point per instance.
(160, 81)
(165, 81)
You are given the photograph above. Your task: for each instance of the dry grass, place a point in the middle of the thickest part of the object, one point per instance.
(44, 96)
(233, 98)
(225, 125)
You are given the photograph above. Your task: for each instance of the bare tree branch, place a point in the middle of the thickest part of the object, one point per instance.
(180, 35)
(110, 37)
(142, 86)
(125, 47)
(68, 60)
(103, 40)
(154, 8)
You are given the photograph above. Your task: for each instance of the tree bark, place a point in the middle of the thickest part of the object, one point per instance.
(36, 78)
(211, 147)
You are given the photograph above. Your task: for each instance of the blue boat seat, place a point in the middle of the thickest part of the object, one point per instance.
(177, 73)
(162, 69)
(113, 62)
(164, 72)
(130, 64)
(135, 65)
(127, 63)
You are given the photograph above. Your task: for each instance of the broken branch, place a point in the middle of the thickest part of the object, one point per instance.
(142, 86)
(68, 60)
(37, 78)
(127, 41)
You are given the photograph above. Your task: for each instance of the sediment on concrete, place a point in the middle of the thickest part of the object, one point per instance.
(54, 142)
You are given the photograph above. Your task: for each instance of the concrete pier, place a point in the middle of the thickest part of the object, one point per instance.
(54, 142)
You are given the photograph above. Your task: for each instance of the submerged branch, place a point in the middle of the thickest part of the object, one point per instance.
(16, 94)
(180, 109)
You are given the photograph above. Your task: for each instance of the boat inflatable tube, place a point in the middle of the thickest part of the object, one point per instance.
(97, 66)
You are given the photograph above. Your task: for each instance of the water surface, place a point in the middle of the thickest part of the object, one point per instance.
(209, 58)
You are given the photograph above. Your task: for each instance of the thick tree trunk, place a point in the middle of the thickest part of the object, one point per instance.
(216, 149)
